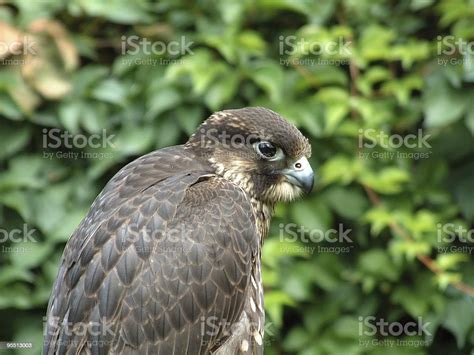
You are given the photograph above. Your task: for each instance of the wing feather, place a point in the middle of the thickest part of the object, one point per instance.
(160, 264)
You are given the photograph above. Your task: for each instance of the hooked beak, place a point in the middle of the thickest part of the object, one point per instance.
(300, 174)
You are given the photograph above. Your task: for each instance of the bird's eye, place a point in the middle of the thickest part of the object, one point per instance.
(266, 149)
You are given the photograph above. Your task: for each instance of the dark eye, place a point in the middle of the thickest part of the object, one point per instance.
(266, 149)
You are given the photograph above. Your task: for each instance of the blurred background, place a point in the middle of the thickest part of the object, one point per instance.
(377, 260)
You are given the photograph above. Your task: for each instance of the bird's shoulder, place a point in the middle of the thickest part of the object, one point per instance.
(170, 185)
(178, 235)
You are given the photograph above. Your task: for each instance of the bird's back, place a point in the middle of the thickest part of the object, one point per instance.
(161, 264)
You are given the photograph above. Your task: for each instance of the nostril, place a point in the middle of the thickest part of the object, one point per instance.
(298, 165)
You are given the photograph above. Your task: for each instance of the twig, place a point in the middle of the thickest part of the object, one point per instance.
(375, 199)
(424, 259)
(427, 261)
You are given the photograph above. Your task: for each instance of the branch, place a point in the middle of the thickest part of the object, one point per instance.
(424, 259)
(375, 199)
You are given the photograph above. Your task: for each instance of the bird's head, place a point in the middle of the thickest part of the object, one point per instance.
(257, 149)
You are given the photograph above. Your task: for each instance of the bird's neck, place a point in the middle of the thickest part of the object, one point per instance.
(263, 210)
(263, 214)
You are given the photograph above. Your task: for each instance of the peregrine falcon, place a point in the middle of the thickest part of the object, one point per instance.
(167, 260)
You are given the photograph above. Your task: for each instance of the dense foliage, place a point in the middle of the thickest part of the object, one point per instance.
(384, 90)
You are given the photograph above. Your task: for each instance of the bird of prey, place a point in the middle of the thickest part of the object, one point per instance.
(167, 260)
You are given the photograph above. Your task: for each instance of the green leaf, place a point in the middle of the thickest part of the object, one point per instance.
(24, 171)
(167, 133)
(297, 339)
(459, 319)
(68, 224)
(111, 91)
(336, 103)
(13, 139)
(70, 114)
(311, 214)
(49, 207)
(274, 303)
(470, 120)
(222, 91)
(13, 274)
(30, 332)
(19, 201)
(450, 261)
(16, 296)
(189, 118)
(251, 42)
(340, 169)
(269, 76)
(120, 11)
(376, 262)
(9, 109)
(163, 100)
(442, 104)
(348, 202)
(29, 254)
(134, 139)
(462, 184)
(388, 181)
(411, 301)
(275, 249)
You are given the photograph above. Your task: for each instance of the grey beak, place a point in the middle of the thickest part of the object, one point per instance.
(300, 174)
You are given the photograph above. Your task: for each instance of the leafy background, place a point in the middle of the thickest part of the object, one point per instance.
(394, 79)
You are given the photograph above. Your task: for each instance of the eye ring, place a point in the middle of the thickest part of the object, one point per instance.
(268, 150)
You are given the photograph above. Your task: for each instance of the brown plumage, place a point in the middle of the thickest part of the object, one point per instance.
(167, 261)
